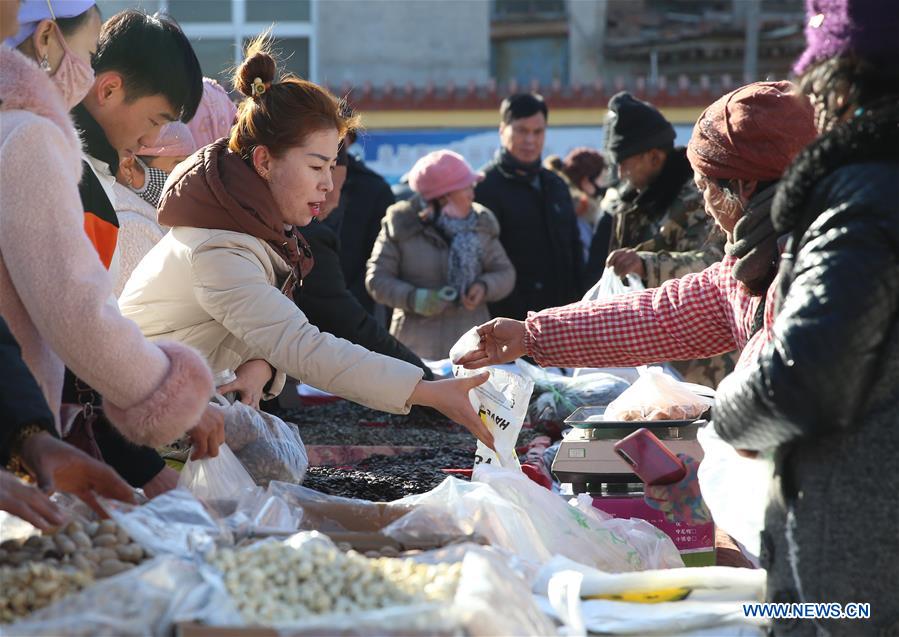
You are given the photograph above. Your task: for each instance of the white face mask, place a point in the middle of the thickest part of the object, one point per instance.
(74, 77)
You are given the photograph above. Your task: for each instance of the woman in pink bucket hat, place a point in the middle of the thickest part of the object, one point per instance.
(438, 260)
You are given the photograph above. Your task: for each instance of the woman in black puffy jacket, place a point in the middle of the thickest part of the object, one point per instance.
(825, 392)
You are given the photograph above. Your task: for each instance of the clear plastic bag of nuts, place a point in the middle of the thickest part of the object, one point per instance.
(41, 569)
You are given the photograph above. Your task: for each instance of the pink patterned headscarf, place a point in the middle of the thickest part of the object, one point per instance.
(175, 140)
(215, 115)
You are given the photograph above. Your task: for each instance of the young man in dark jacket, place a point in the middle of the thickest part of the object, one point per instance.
(364, 201)
(324, 296)
(538, 226)
(146, 76)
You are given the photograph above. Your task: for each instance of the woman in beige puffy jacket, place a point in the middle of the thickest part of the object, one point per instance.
(221, 279)
(440, 266)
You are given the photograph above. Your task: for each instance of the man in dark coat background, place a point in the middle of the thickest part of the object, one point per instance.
(538, 226)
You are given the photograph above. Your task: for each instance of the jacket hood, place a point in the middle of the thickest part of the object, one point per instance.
(214, 188)
(24, 86)
(872, 137)
(405, 219)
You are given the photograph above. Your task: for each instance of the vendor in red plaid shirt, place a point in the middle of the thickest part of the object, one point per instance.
(740, 147)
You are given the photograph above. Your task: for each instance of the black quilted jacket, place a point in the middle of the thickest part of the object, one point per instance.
(825, 392)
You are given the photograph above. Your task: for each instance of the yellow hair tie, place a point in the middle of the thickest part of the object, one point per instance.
(259, 87)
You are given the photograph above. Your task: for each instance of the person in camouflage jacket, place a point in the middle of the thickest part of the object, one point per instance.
(661, 230)
(667, 226)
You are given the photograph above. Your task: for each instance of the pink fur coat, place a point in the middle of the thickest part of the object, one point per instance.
(55, 293)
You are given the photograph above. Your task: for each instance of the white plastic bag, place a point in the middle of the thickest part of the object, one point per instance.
(502, 403)
(735, 489)
(174, 523)
(468, 342)
(610, 284)
(516, 514)
(222, 478)
(657, 396)
(269, 448)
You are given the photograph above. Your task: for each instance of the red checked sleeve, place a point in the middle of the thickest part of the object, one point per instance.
(684, 319)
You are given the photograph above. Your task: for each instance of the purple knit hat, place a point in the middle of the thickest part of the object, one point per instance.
(866, 28)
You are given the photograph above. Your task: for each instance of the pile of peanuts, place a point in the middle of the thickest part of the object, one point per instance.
(44, 568)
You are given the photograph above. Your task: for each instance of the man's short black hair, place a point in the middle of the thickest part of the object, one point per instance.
(522, 105)
(154, 57)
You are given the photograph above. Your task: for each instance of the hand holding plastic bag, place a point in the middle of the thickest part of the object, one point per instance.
(657, 396)
(610, 284)
(216, 479)
(268, 448)
(502, 404)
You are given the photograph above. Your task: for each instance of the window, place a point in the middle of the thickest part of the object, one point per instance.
(278, 10)
(516, 9)
(216, 57)
(219, 29)
(529, 40)
(525, 59)
(185, 11)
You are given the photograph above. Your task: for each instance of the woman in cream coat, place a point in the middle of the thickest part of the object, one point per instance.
(220, 279)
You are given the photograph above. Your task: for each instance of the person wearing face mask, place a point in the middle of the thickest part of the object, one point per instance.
(325, 298)
(152, 393)
(438, 260)
(137, 191)
(222, 279)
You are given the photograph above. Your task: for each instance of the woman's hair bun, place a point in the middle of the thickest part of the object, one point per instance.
(258, 62)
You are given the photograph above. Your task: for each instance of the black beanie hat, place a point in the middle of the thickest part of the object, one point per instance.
(633, 127)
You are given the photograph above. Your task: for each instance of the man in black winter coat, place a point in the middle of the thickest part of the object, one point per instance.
(538, 226)
(324, 296)
(364, 201)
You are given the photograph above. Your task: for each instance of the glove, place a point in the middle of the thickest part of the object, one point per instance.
(680, 501)
(428, 302)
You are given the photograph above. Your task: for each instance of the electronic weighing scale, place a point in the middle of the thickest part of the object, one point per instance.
(587, 458)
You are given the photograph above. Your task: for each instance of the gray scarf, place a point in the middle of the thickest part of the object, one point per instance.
(464, 254)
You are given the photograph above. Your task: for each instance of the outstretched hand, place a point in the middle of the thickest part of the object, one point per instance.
(28, 502)
(450, 397)
(58, 466)
(502, 341)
